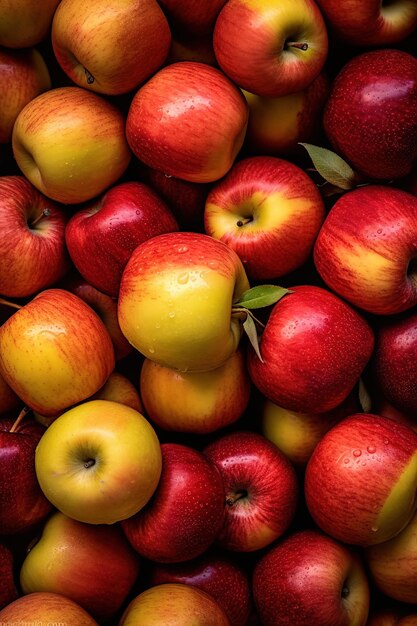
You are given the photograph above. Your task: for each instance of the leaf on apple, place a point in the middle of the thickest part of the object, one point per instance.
(332, 168)
(260, 296)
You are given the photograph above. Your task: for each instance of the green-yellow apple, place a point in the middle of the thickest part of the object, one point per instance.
(269, 211)
(25, 23)
(24, 75)
(189, 121)
(44, 607)
(99, 462)
(94, 565)
(360, 481)
(91, 154)
(176, 297)
(271, 48)
(55, 351)
(195, 402)
(86, 38)
(175, 604)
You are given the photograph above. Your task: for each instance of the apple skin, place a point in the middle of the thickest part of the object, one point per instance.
(251, 39)
(261, 490)
(175, 604)
(215, 573)
(175, 300)
(24, 75)
(33, 253)
(25, 23)
(9, 400)
(92, 151)
(370, 117)
(192, 16)
(365, 249)
(8, 590)
(192, 48)
(309, 578)
(269, 211)
(366, 464)
(55, 351)
(46, 608)
(119, 388)
(88, 452)
(185, 515)
(370, 23)
(93, 565)
(314, 349)
(86, 38)
(101, 236)
(23, 505)
(189, 121)
(195, 402)
(277, 125)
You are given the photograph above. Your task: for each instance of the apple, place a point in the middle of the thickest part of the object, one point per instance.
(88, 452)
(195, 402)
(366, 247)
(370, 117)
(25, 23)
(314, 349)
(360, 481)
(371, 23)
(8, 590)
(269, 211)
(46, 608)
(309, 578)
(55, 351)
(24, 75)
(23, 505)
(87, 37)
(93, 565)
(175, 604)
(215, 573)
(261, 490)
(101, 236)
(191, 48)
(189, 121)
(192, 16)
(185, 515)
(119, 388)
(386, 617)
(271, 48)
(176, 297)
(9, 400)
(33, 254)
(277, 125)
(92, 151)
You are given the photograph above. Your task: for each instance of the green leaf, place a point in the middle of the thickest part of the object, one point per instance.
(331, 167)
(261, 296)
(249, 327)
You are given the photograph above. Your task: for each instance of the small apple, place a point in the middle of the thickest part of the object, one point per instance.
(88, 452)
(176, 297)
(360, 481)
(269, 211)
(309, 578)
(8, 589)
(94, 565)
(101, 236)
(91, 154)
(185, 515)
(189, 121)
(271, 48)
(46, 608)
(25, 23)
(119, 388)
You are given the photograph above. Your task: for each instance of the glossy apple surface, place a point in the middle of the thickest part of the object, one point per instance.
(25, 23)
(46, 607)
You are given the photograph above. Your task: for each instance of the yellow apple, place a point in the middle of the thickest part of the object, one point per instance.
(120, 389)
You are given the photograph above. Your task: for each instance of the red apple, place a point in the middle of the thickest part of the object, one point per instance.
(192, 16)
(314, 349)
(46, 608)
(361, 479)
(216, 574)
(269, 211)
(271, 48)
(261, 490)
(189, 121)
(9, 400)
(8, 589)
(186, 512)
(33, 255)
(370, 116)
(309, 578)
(366, 247)
(25, 23)
(102, 235)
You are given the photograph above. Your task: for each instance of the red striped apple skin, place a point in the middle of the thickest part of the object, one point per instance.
(189, 121)
(46, 607)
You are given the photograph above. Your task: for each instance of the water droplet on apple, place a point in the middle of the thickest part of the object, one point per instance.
(157, 325)
(374, 529)
(386, 442)
(357, 453)
(182, 249)
(151, 349)
(183, 278)
(346, 461)
(171, 314)
(371, 449)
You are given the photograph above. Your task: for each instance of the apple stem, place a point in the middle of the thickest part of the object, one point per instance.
(8, 303)
(89, 77)
(297, 44)
(244, 221)
(231, 498)
(19, 418)
(45, 213)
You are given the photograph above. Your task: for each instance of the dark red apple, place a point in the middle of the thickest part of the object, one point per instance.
(8, 589)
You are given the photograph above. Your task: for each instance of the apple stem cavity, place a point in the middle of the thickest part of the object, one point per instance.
(232, 498)
(17, 422)
(9, 303)
(345, 591)
(89, 463)
(297, 44)
(45, 213)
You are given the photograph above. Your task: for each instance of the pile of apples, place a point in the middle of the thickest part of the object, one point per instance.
(208, 312)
